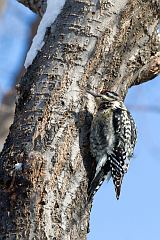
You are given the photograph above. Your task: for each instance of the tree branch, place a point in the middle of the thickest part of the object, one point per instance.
(149, 71)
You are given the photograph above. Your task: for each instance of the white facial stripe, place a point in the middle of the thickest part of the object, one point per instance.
(110, 96)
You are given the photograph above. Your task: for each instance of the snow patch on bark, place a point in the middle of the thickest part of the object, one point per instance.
(53, 9)
(18, 166)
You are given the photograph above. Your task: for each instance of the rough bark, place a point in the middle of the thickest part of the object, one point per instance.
(92, 45)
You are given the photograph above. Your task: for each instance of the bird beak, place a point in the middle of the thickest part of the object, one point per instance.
(93, 94)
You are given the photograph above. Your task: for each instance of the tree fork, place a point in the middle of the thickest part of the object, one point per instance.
(45, 165)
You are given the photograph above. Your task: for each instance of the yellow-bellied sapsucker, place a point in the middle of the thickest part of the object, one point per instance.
(112, 140)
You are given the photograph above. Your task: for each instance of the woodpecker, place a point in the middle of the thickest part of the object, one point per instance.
(112, 140)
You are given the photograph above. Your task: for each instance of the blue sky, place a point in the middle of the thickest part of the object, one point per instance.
(14, 35)
(136, 216)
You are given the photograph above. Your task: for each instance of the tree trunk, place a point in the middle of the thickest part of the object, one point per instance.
(46, 165)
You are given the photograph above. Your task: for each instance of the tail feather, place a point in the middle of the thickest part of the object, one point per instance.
(105, 173)
(117, 180)
(117, 173)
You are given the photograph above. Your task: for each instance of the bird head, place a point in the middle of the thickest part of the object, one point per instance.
(106, 96)
(111, 99)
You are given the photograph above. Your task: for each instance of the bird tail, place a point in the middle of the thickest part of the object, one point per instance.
(96, 183)
(117, 180)
(117, 173)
